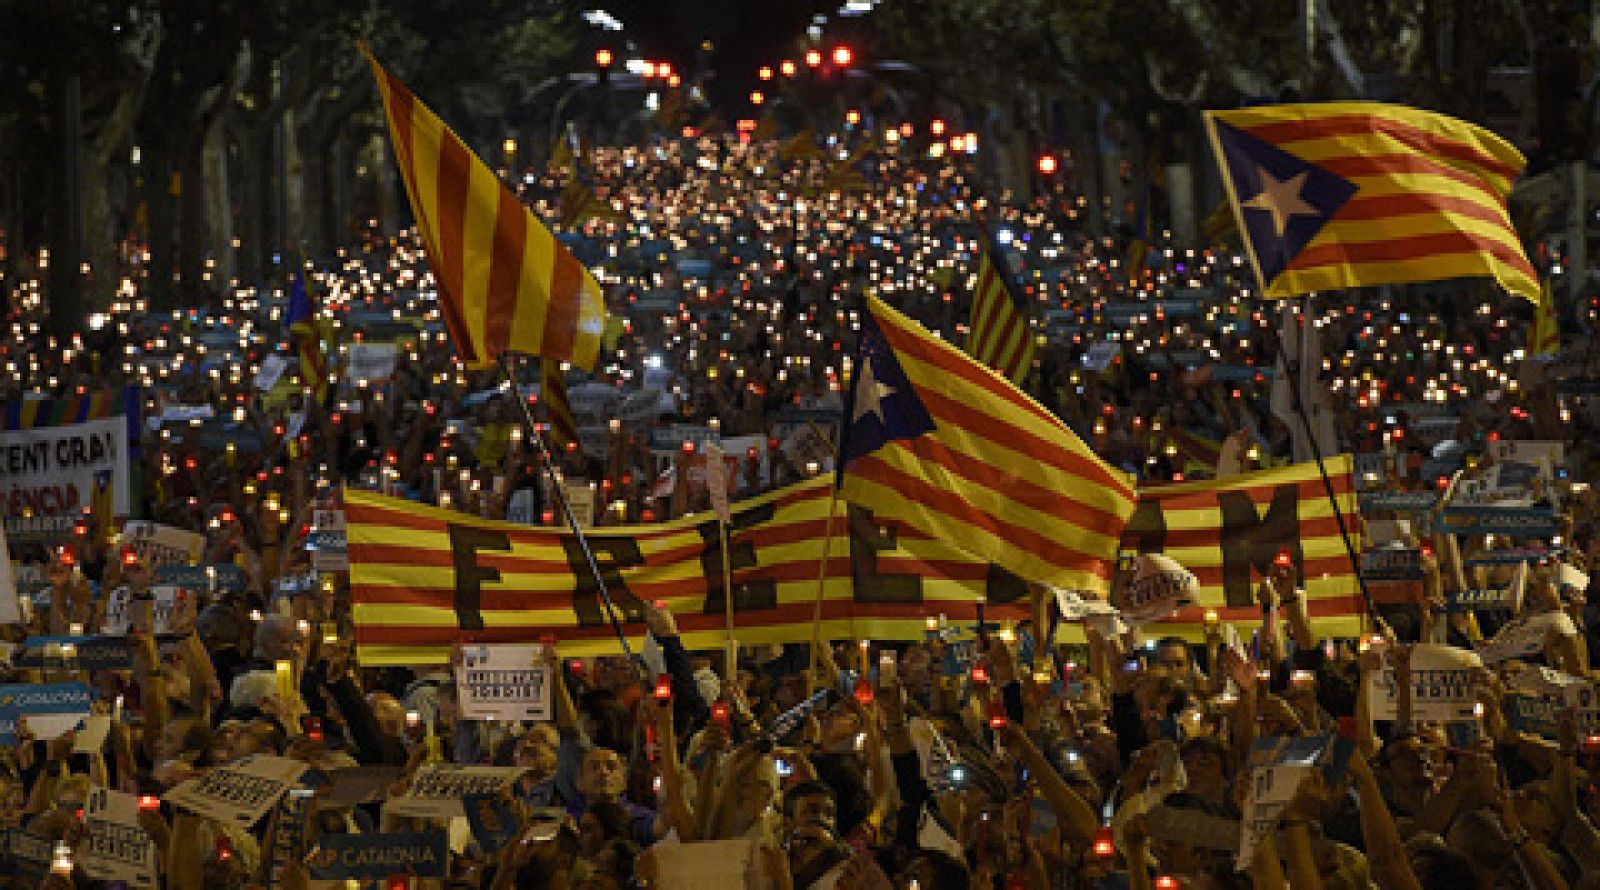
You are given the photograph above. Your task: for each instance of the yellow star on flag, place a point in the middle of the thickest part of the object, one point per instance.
(1281, 198)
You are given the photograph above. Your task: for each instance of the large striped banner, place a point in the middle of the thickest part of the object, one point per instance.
(1228, 533)
(422, 578)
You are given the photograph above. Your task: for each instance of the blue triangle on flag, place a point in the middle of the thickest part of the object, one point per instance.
(1284, 200)
(882, 404)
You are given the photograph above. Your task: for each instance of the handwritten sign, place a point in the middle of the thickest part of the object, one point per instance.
(504, 682)
(241, 792)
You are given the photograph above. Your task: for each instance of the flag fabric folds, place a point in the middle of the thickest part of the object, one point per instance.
(557, 408)
(1352, 194)
(504, 282)
(999, 334)
(423, 579)
(1546, 329)
(934, 438)
(307, 339)
(1229, 532)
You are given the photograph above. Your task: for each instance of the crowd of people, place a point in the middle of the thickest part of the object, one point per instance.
(733, 269)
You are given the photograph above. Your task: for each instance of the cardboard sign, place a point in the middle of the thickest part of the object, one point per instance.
(1524, 635)
(160, 545)
(115, 847)
(55, 471)
(1442, 685)
(337, 857)
(241, 792)
(437, 789)
(51, 709)
(504, 682)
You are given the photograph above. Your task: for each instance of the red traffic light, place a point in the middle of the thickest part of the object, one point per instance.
(1047, 164)
(843, 56)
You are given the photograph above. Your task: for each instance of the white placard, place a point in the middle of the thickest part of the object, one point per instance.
(55, 470)
(272, 367)
(1076, 607)
(372, 362)
(172, 611)
(241, 792)
(1528, 452)
(1524, 635)
(437, 789)
(162, 545)
(1271, 789)
(1442, 685)
(581, 497)
(114, 846)
(503, 682)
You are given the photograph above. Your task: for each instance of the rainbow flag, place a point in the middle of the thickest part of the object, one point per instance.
(422, 579)
(505, 283)
(937, 439)
(1353, 194)
(1228, 533)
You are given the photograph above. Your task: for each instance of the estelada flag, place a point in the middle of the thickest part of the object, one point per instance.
(505, 283)
(1351, 194)
(1229, 532)
(423, 579)
(933, 437)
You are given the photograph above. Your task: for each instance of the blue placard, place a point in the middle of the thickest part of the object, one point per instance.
(1519, 522)
(92, 654)
(1399, 501)
(489, 816)
(24, 700)
(339, 857)
(219, 578)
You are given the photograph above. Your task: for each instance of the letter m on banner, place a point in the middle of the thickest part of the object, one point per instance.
(1251, 538)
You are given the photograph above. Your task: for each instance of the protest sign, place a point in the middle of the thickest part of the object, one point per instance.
(97, 653)
(1159, 587)
(1277, 765)
(1525, 635)
(219, 578)
(491, 819)
(241, 792)
(286, 835)
(50, 709)
(1518, 522)
(504, 682)
(28, 853)
(706, 864)
(272, 367)
(1483, 599)
(1528, 452)
(370, 362)
(338, 857)
(56, 471)
(172, 611)
(115, 847)
(1391, 564)
(1075, 606)
(437, 789)
(160, 545)
(1442, 685)
(1101, 355)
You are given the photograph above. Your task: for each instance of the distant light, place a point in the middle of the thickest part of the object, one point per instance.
(1047, 164)
(756, 97)
(648, 69)
(813, 58)
(936, 127)
(1003, 236)
(765, 72)
(787, 67)
(603, 58)
(843, 56)
(852, 117)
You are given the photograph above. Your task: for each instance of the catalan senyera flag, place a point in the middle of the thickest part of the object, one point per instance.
(1546, 329)
(999, 334)
(557, 408)
(1229, 532)
(505, 283)
(423, 579)
(303, 330)
(937, 439)
(1351, 194)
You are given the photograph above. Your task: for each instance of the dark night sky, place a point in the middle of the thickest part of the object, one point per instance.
(746, 34)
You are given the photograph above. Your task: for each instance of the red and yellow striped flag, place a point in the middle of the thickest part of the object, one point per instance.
(1229, 532)
(1000, 336)
(934, 438)
(422, 579)
(505, 283)
(557, 408)
(1351, 194)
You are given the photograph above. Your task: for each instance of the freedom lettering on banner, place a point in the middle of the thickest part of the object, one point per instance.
(162, 545)
(424, 579)
(504, 682)
(57, 471)
(1229, 532)
(51, 709)
(1443, 687)
(114, 846)
(438, 789)
(241, 792)
(340, 857)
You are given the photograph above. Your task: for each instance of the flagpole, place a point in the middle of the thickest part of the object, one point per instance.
(559, 490)
(1290, 370)
(727, 600)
